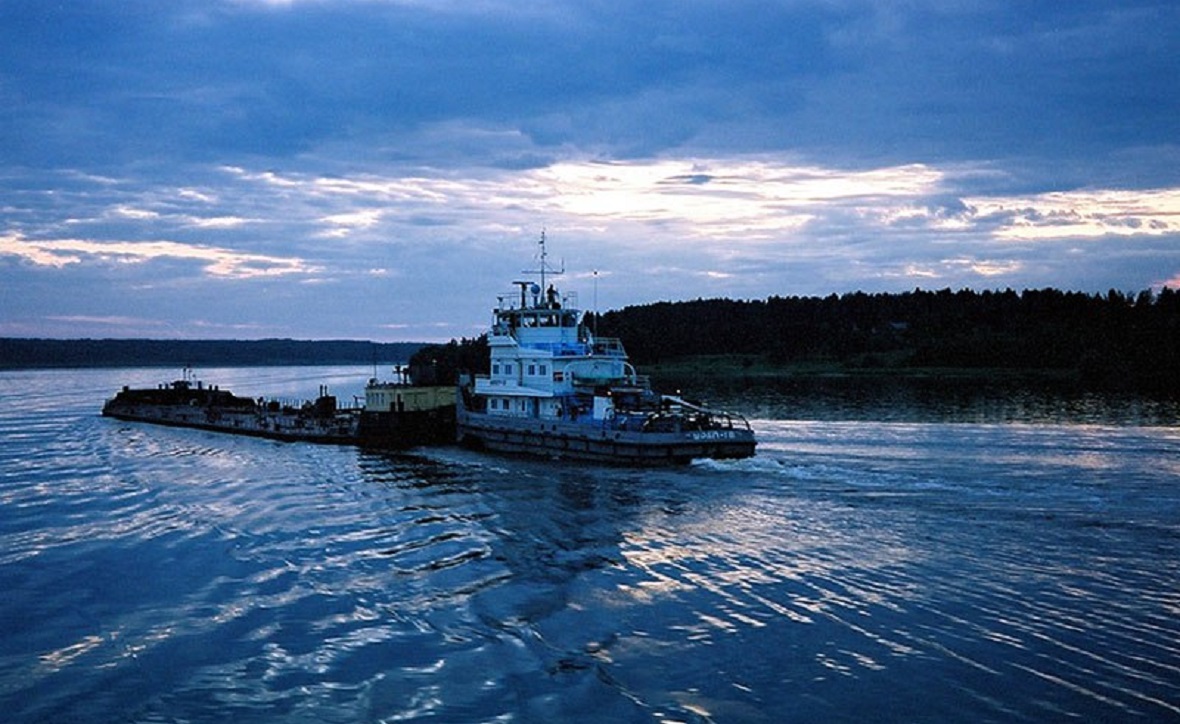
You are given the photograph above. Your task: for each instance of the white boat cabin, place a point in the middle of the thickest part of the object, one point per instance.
(546, 364)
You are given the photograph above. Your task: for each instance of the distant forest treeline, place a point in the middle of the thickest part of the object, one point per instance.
(29, 353)
(1115, 340)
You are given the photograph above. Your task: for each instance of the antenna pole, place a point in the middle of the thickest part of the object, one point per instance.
(544, 269)
(543, 254)
(596, 304)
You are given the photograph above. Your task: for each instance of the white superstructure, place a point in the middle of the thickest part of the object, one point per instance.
(555, 387)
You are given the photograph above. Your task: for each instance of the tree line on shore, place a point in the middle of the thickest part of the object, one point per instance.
(1100, 341)
(18, 353)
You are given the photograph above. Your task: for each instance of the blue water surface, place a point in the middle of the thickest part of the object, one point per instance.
(985, 568)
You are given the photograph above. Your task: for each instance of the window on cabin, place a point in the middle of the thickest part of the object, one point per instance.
(544, 369)
(496, 368)
(532, 370)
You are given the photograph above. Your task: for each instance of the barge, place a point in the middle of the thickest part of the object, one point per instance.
(396, 414)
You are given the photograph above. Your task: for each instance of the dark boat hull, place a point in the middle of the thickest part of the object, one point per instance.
(525, 436)
(238, 427)
(350, 427)
(407, 428)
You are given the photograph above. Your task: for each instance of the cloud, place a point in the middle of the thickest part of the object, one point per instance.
(398, 158)
(737, 220)
(744, 198)
(216, 262)
(347, 222)
(849, 80)
(112, 321)
(199, 222)
(1081, 214)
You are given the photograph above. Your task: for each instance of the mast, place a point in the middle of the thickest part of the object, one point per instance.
(543, 255)
(544, 267)
(595, 330)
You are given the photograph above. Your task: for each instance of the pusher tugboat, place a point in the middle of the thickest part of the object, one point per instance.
(556, 389)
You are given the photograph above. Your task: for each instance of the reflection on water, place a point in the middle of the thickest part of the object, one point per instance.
(928, 400)
(896, 570)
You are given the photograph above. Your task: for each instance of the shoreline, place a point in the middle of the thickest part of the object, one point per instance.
(751, 370)
(755, 367)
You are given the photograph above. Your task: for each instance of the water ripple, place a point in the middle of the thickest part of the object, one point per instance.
(851, 571)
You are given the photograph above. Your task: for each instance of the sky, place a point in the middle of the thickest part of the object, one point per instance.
(383, 169)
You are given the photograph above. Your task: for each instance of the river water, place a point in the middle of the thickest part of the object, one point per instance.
(875, 562)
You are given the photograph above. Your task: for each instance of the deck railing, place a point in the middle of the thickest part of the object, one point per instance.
(609, 347)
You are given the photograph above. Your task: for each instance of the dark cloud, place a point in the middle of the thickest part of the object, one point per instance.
(410, 152)
(101, 80)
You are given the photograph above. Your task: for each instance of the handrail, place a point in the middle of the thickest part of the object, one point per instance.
(729, 417)
(609, 346)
